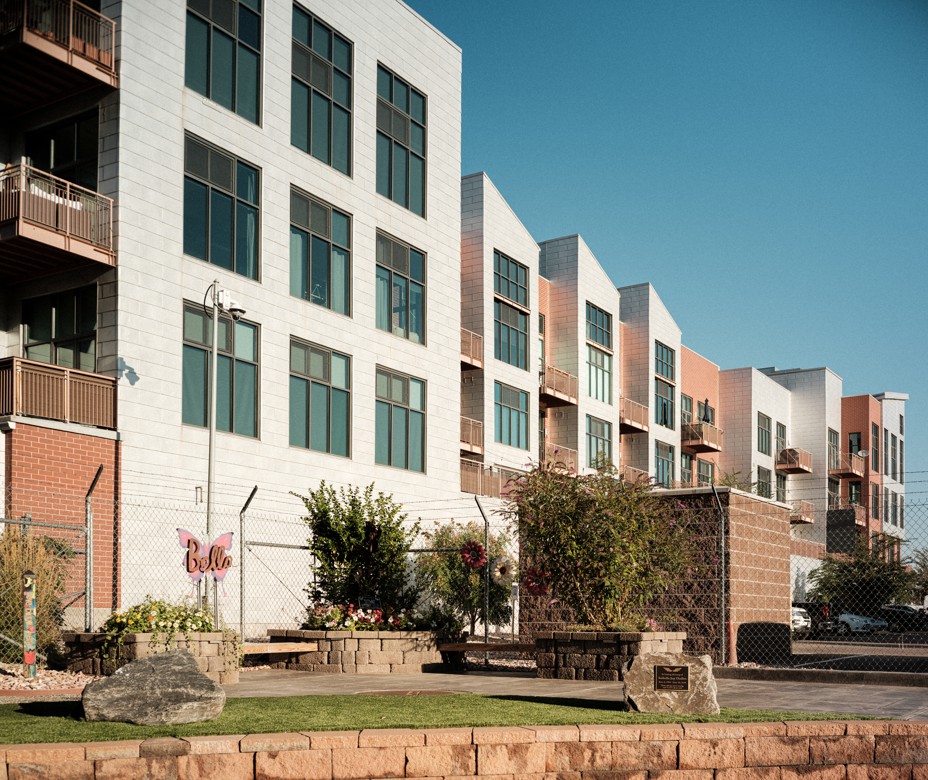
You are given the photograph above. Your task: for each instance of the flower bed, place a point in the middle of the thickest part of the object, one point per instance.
(359, 652)
(598, 655)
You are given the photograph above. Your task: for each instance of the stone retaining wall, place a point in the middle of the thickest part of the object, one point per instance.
(853, 750)
(359, 652)
(598, 655)
(84, 653)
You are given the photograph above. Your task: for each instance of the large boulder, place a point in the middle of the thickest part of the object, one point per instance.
(671, 682)
(163, 689)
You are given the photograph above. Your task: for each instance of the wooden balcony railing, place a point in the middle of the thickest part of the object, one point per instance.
(471, 435)
(560, 387)
(701, 437)
(793, 460)
(844, 464)
(633, 416)
(34, 389)
(631, 474)
(557, 453)
(471, 348)
(802, 512)
(483, 480)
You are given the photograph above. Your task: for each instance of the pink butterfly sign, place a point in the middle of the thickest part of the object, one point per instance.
(203, 558)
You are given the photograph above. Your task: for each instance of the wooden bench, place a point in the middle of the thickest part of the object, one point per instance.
(452, 653)
(272, 648)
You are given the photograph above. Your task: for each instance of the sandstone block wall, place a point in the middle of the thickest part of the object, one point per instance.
(591, 655)
(359, 652)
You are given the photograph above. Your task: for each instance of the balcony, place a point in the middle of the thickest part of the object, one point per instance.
(844, 513)
(483, 480)
(701, 437)
(557, 388)
(631, 474)
(48, 225)
(471, 349)
(845, 464)
(633, 416)
(792, 460)
(51, 49)
(471, 435)
(556, 453)
(802, 512)
(34, 389)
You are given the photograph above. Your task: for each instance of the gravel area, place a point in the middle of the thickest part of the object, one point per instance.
(11, 679)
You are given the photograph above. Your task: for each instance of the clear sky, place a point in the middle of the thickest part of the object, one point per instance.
(763, 163)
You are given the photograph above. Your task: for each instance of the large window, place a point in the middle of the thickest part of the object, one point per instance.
(901, 461)
(686, 468)
(237, 372)
(510, 334)
(853, 443)
(320, 96)
(874, 448)
(400, 289)
(599, 374)
(320, 399)
(663, 463)
(834, 449)
(598, 442)
(781, 488)
(885, 452)
(510, 416)
(705, 412)
(893, 452)
(853, 492)
(706, 472)
(510, 279)
(223, 56)
(320, 253)
(62, 328)
(400, 423)
(598, 326)
(686, 409)
(834, 493)
(221, 203)
(874, 501)
(781, 438)
(664, 361)
(67, 149)
(763, 434)
(401, 141)
(663, 403)
(764, 488)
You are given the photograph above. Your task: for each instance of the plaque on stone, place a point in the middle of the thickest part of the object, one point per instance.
(672, 683)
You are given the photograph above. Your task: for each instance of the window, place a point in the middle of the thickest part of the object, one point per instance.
(706, 413)
(834, 449)
(763, 434)
(237, 372)
(853, 492)
(686, 409)
(663, 404)
(781, 488)
(223, 53)
(781, 438)
(67, 149)
(834, 492)
(902, 425)
(510, 416)
(874, 448)
(901, 511)
(599, 374)
(320, 398)
(510, 279)
(541, 343)
(400, 422)
(663, 463)
(320, 91)
(663, 361)
(763, 482)
(886, 516)
(885, 452)
(320, 253)
(62, 328)
(893, 454)
(598, 442)
(220, 208)
(894, 508)
(874, 500)
(510, 334)
(853, 443)
(686, 468)
(598, 326)
(901, 461)
(400, 289)
(706, 472)
(400, 142)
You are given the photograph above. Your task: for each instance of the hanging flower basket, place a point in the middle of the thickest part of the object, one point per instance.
(473, 554)
(503, 570)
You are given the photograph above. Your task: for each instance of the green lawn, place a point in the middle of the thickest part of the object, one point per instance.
(61, 721)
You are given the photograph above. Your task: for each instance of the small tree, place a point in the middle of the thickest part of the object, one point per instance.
(863, 581)
(920, 571)
(605, 547)
(360, 545)
(454, 587)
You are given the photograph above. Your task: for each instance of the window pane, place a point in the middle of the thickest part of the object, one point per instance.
(195, 218)
(196, 66)
(246, 341)
(398, 306)
(341, 371)
(416, 265)
(298, 265)
(319, 417)
(320, 131)
(319, 272)
(400, 95)
(318, 364)
(416, 441)
(416, 313)
(195, 327)
(222, 69)
(247, 84)
(383, 299)
(382, 433)
(224, 394)
(298, 358)
(341, 140)
(400, 187)
(301, 26)
(249, 27)
(246, 399)
(246, 241)
(322, 40)
(341, 234)
(86, 355)
(340, 423)
(220, 229)
(298, 406)
(383, 385)
(340, 281)
(384, 80)
(417, 107)
(384, 164)
(398, 438)
(416, 185)
(299, 115)
(341, 54)
(194, 386)
(341, 89)
(416, 395)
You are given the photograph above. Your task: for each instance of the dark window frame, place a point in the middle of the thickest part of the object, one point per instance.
(395, 259)
(326, 380)
(319, 225)
(396, 126)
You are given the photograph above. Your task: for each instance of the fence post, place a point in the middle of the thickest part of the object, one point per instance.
(241, 564)
(88, 552)
(29, 625)
(25, 520)
(725, 624)
(486, 579)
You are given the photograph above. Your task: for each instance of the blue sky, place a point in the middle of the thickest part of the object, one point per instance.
(764, 164)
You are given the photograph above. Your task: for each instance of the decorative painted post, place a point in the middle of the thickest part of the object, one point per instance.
(29, 625)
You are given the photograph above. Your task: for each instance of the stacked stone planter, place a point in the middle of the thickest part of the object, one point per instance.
(85, 653)
(359, 652)
(597, 655)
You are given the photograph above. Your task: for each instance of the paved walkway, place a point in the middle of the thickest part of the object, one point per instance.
(883, 701)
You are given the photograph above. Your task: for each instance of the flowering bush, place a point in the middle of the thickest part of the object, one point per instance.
(160, 618)
(322, 616)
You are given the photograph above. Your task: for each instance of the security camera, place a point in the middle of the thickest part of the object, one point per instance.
(236, 310)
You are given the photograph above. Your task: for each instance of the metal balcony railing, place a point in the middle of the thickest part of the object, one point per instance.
(559, 454)
(802, 512)
(34, 389)
(631, 474)
(633, 416)
(794, 460)
(844, 464)
(859, 511)
(559, 384)
(483, 480)
(471, 348)
(702, 437)
(471, 435)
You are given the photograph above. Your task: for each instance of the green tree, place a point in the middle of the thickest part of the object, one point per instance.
(920, 571)
(863, 581)
(606, 547)
(361, 546)
(453, 587)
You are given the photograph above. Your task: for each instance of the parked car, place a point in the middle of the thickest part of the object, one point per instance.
(902, 617)
(800, 621)
(820, 614)
(848, 623)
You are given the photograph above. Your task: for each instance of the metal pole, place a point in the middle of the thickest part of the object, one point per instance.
(29, 625)
(486, 580)
(88, 552)
(211, 455)
(241, 564)
(723, 622)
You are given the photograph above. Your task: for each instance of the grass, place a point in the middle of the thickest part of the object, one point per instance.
(62, 721)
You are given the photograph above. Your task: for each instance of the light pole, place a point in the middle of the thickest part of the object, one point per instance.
(221, 301)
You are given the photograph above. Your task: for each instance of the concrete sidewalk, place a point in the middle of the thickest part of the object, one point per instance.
(881, 701)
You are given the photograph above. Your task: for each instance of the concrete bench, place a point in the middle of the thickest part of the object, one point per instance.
(452, 653)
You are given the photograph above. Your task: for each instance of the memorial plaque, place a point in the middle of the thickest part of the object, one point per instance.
(671, 678)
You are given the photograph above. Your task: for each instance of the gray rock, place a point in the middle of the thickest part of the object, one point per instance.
(164, 689)
(691, 673)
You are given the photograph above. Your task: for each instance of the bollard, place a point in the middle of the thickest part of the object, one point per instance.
(29, 625)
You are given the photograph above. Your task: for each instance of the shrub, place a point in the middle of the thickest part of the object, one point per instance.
(162, 619)
(321, 616)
